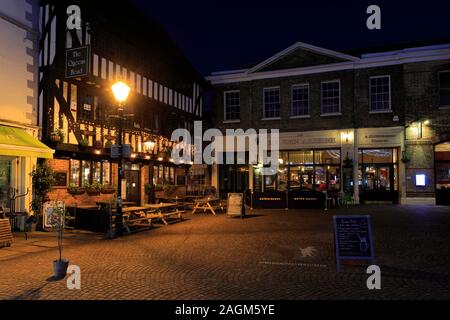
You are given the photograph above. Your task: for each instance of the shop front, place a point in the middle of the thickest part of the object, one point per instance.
(19, 151)
(84, 182)
(442, 167)
(302, 179)
(315, 166)
(378, 167)
(378, 175)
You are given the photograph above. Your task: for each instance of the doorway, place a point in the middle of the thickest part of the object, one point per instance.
(233, 179)
(133, 186)
(6, 174)
(378, 175)
(442, 167)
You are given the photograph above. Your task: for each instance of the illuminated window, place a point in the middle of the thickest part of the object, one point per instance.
(74, 177)
(106, 173)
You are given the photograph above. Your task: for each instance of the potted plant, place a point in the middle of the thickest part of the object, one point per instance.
(83, 143)
(57, 221)
(94, 189)
(75, 190)
(57, 136)
(108, 144)
(108, 189)
(43, 180)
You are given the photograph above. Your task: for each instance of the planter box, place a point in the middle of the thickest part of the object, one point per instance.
(93, 193)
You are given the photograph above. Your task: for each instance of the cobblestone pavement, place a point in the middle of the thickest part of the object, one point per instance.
(215, 257)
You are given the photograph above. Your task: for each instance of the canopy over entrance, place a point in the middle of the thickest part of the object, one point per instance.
(17, 143)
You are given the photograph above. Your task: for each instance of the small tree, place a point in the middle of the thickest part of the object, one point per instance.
(43, 180)
(57, 221)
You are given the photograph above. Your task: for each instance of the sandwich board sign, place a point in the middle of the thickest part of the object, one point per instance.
(235, 205)
(353, 239)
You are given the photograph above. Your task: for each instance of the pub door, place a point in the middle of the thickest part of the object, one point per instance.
(378, 183)
(133, 186)
(233, 178)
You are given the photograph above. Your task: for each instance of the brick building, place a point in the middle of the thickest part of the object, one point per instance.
(115, 42)
(373, 124)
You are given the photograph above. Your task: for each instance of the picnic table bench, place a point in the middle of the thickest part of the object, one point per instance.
(211, 205)
(144, 217)
(6, 236)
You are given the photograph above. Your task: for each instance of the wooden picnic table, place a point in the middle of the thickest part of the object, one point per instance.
(207, 204)
(163, 211)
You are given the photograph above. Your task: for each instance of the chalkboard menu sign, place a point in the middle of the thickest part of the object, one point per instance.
(235, 205)
(77, 62)
(353, 238)
(60, 179)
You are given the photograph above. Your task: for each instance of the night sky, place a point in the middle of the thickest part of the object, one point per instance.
(222, 35)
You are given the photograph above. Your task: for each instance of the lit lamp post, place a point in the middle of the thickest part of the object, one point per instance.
(121, 92)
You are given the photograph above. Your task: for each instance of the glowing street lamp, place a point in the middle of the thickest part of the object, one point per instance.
(121, 92)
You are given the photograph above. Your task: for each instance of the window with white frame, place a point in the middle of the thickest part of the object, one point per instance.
(271, 103)
(331, 97)
(444, 88)
(300, 100)
(232, 105)
(380, 93)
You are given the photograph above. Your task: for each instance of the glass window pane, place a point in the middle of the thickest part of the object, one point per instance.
(97, 172)
(320, 182)
(301, 178)
(155, 175)
(378, 156)
(86, 172)
(282, 178)
(327, 156)
(284, 157)
(334, 178)
(301, 157)
(74, 178)
(107, 173)
(161, 175)
(5, 180)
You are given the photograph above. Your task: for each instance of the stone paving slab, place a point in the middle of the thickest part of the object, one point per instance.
(275, 254)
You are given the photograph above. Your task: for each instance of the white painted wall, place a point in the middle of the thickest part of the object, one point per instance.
(18, 61)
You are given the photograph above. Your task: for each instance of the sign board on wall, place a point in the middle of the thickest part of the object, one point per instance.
(380, 137)
(60, 179)
(313, 139)
(77, 62)
(353, 239)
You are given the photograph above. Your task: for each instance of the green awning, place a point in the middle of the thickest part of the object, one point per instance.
(17, 143)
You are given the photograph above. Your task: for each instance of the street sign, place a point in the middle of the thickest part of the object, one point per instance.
(77, 62)
(353, 239)
(126, 151)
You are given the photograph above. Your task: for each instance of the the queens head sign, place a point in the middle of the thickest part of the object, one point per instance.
(262, 147)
